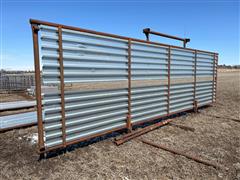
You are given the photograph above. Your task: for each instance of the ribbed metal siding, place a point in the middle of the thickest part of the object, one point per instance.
(17, 120)
(95, 58)
(148, 61)
(204, 92)
(148, 102)
(205, 65)
(16, 105)
(181, 96)
(87, 58)
(86, 113)
(182, 63)
(204, 89)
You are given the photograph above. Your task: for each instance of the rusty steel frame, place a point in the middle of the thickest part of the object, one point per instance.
(48, 149)
(195, 74)
(169, 79)
(38, 22)
(229, 118)
(113, 130)
(213, 86)
(148, 31)
(195, 103)
(192, 157)
(35, 30)
(134, 134)
(62, 85)
(42, 149)
(186, 128)
(129, 116)
(215, 78)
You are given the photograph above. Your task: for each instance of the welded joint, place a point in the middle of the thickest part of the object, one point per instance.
(35, 28)
(185, 41)
(42, 153)
(146, 31)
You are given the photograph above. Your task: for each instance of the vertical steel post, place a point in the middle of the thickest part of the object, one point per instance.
(62, 85)
(169, 80)
(184, 44)
(195, 104)
(147, 37)
(216, 73)
(129, 124)
(35, 30)
(213, 80)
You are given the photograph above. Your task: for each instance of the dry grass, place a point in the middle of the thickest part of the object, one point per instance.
(215, 139)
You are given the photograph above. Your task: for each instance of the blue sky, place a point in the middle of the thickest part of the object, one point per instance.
(211, 25)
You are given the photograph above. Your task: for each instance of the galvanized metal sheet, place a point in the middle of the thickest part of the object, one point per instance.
(16, 105)
(148, 102)
(86, 113)
(87, 58)
(91, 58)
(17, 120)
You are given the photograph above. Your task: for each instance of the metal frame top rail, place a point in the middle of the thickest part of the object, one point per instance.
(39, 22)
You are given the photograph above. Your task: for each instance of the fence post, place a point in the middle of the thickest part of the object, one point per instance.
(195, 103)
(214, 90)
(35, 30)
(129, 116)
(216, 71)
(213, 80)
(169, 80)
(60, 50)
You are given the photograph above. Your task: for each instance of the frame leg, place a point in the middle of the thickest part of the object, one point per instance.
(195, 106)
(42, 156)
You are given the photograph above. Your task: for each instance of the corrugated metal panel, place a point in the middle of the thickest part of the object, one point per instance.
(17, 120)
(87, 58)
(148, 102)
(16, 105)
(86, 113)
(204, 65)
(148, 61)
(182, 63)
(181, 96)
(93, 58)
(204, 89)
(204, 92)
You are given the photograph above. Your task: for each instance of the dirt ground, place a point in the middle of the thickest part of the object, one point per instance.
(214, 139)
(8, 97)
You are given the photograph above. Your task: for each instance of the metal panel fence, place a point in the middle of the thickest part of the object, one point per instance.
(16, 82)
(108, 82)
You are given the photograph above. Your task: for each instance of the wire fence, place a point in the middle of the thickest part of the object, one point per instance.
(16, 82)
